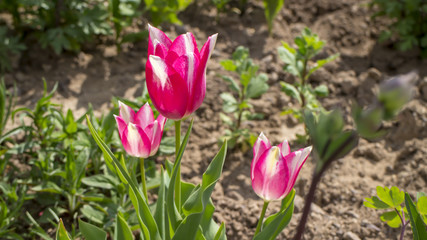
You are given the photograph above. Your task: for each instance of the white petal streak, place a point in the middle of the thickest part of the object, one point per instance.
(159, 70)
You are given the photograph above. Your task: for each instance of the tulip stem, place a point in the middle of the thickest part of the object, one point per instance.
(178, 182)
(144, 186)
(261, 217)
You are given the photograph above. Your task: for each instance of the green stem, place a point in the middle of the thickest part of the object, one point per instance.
(144, 186)
(178, 182)
(261, 218)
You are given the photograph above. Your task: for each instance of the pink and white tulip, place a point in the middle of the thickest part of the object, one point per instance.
(139, 132)
(274, 169)
(176, 72)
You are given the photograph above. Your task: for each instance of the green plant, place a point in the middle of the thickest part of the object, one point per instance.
(409, 22)
(249, 86)
(165, 10)
(299, 62)
(271, 8)
(400, 207)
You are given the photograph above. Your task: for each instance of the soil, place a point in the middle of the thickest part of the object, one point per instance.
(98, 73)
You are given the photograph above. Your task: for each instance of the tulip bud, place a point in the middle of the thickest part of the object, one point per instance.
(274, 170)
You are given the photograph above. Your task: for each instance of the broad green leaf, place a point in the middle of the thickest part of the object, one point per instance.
(418, 227)
(321, 91)
(375, 203)
(91, 232)
(228, 65)
(229, 102)
(122, 230)
(271, 8)
(275, 223)
(92, 214)
(391, 218)
(291, 91)
(257, 86)
(101, 181)
(287, 55)
(196, 204)
(61, 232)
(422, 207)
(393, 197)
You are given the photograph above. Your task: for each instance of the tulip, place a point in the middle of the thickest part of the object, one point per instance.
(176, 73)
(274, 169)
(139, 132)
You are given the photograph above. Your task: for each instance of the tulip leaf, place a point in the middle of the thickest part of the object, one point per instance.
(91, 232)
(271, 8)
(145, 219)
(275, 223)
(122, 230)
(61, 232)
(419, 229)
(393, 196)
(220, 234)
(197, 203)
(173, 212)
(160, 213)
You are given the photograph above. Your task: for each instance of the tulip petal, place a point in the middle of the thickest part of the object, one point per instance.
(294, 162)
(121, 125)
(270, 175)
(154, 132)
(156, 37)
(127, 113)
(198, 89)
(162, 121)
(135, 141)
(167, 90)
(144, 116)
(260, 146)
(183, 44)
(284, 148)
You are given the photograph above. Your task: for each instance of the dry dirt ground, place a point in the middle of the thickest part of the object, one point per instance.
(99, 73)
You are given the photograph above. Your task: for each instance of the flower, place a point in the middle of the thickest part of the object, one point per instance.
(176, 72)
(139, 132)
(274, 170)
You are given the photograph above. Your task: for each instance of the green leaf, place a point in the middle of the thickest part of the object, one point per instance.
(375, 203)
(122, 230)
(92, 214)
(321, 91)
(196, 204)
(291, 91)
(271, 8)
(391, 218)
(135, 37)
(393, 197)
(173, 212)
(61, 232)
(220, 235)
(231, 83)
(160, 214)
(320, 63)
(417, 225)
(101, 181)
(91, 232)
(275, 223)
(228, 65)
(257, 86)
(229, 102)
(422, 207)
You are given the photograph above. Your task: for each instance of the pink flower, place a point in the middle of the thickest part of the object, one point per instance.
(139, 132)
(274, 170)
(176, 72)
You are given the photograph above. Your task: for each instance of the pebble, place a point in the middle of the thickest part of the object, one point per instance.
(350, 236)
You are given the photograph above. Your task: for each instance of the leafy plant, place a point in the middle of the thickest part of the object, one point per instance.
(400, 207)
(249, 86)
(299, 62)
(409, 22)
(165, 10)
